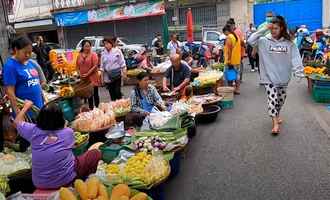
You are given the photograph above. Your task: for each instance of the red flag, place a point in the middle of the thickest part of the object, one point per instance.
(190, 26)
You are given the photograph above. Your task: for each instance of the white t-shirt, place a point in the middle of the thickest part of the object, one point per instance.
(173, 46)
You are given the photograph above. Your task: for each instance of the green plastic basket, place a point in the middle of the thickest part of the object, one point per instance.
(109, 153)
(321, 94)
(77, 151)
(226, 104)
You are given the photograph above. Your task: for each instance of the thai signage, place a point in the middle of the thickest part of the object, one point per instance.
(111, 13)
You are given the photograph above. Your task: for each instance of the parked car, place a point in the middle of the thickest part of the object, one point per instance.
(98, 46)
(214, 37)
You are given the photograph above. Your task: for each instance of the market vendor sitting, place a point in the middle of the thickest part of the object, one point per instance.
(144, 98)
(177, 76)
(53, 162)
(187, 58)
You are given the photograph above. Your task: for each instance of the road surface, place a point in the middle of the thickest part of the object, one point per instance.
(236, 158)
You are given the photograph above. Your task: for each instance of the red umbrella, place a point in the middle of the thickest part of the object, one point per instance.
(190, 26)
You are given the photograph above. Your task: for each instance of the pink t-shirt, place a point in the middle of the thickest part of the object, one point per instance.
(85, 64)
(53, 162)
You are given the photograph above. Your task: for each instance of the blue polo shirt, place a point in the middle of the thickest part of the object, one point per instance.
(25, 79)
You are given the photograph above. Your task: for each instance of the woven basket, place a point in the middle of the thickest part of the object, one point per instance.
(84, 89)
(226, 92)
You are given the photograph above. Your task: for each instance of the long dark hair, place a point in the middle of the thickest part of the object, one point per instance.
(51, 118)
(83, 44)
(280, 21)
(229, 29)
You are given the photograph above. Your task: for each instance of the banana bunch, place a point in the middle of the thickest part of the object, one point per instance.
(80, 138)
(4, 187)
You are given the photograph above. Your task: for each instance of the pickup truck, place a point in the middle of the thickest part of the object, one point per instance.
(98, 46)
(214, 37)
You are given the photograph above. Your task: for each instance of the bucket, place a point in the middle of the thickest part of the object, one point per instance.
(109, 153)
(226, 92)
(231, 74)
(67, 110)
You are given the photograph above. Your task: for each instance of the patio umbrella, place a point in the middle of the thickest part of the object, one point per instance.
(190, 26)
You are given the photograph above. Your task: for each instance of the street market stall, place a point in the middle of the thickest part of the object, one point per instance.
(318, 78)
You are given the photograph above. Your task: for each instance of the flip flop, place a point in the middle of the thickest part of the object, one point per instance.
(275, 132)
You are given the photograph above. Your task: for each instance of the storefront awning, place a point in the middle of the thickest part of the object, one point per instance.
(111, 13)
(35, 23)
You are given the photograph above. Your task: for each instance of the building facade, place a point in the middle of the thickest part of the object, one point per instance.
(33, 17)
(315, 14)
(208, 14)
(142, 28)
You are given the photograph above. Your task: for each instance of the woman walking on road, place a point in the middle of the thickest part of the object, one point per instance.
(87, 64)
(279, 56)
(113, 66)
(232, 53)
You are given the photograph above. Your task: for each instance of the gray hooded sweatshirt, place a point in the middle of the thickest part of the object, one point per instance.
(278, 59)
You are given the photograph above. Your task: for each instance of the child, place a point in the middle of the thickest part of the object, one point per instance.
(53, 162)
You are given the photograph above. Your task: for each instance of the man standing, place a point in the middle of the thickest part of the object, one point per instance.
(158, 44)
(42, 51)
(177, 76)
(174, 45)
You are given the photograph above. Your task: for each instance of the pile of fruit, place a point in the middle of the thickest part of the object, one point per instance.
(141, 171)
(64, 62)
(66, 91)
(308, 70)
(93, 189)
(4, 187)
(80, 138)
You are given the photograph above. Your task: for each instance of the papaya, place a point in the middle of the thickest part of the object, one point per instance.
(140, 196)
(124, 198)
(101, 198)
(92, 187)
(103, 191)
(81, 188)
(119, 191)
(66, 194)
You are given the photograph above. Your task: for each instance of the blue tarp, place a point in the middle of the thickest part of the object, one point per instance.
(72, 19)
(296, 12)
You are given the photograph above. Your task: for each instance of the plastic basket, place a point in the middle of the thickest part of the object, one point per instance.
(226, 104)
(321, 94)
(82, 148)
(322, 83)
(226, 92)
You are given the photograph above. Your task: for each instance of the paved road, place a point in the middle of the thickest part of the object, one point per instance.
(236, 158)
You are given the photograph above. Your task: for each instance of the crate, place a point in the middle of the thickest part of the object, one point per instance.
(321, 94)
(226, 104)
(321, 83)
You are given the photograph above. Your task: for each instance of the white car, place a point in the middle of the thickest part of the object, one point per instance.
(98, 46)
